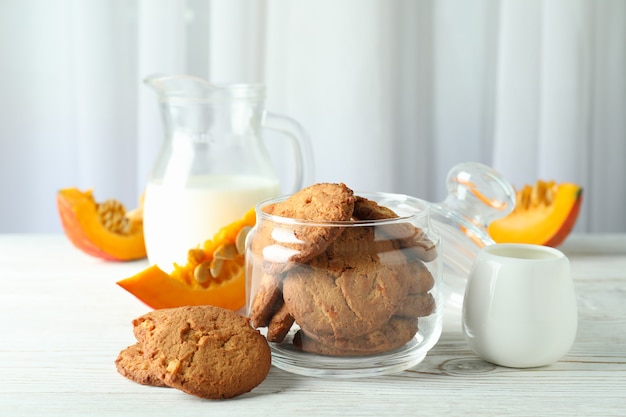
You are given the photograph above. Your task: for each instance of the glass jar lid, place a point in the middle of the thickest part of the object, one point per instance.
(477, 195)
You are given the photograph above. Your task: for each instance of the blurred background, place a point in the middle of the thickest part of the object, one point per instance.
(392, 93)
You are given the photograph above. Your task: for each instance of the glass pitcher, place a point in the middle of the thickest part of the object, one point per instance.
(213, 165)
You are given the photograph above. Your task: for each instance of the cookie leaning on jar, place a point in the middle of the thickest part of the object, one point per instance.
(343, 278)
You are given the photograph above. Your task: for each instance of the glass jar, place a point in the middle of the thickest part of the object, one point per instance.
(369, 304)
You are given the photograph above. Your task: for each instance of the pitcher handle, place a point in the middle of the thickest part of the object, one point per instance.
(301, 144)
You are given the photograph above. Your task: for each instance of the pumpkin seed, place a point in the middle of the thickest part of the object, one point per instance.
(216, 267)
(539, 191)
(524, 197)
(240, 240)
(202, 272)
(550, 193)
(112, 215)
(227, 251)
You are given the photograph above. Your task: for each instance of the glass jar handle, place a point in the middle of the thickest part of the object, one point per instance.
(300, 144)
(479, 192)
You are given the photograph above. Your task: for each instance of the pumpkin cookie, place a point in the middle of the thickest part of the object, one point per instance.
(416, 305)
(205, 351)
(267, 300)
(397, 332)
(365, 209)
(132, 364)
(406, 235)
(420, 247)
(418, 279)
(279, 325)
(360, 240)
(281, 243)
(343, 297)
(268, 308)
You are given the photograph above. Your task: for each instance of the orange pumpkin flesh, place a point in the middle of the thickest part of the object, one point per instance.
(544, 214)
(157, 289)
(104, 230)
(185, 286)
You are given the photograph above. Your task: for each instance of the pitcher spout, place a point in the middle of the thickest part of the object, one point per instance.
(196, 88)
(182, 86)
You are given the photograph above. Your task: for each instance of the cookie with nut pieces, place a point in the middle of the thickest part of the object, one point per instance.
(206, 351)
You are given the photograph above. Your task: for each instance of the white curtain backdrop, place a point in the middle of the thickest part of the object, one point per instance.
(392, 93)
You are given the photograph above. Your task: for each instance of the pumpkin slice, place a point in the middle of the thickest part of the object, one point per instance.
(544, 214)
(104, 230)
(214, 273)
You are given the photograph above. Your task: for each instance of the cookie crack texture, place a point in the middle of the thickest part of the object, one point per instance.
(321, 292)
(340, 300)
(182, 364)
(372, 296)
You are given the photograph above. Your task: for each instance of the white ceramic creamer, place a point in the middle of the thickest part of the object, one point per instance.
(519, 308)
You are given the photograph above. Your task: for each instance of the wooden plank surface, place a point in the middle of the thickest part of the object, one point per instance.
(63, 321)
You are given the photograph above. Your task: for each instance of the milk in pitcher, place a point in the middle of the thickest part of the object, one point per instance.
(177, 219)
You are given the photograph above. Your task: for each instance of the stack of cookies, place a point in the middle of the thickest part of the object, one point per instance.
(335, 274)
(204, 351)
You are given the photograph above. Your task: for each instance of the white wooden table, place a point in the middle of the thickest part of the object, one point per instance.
(63, 321)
